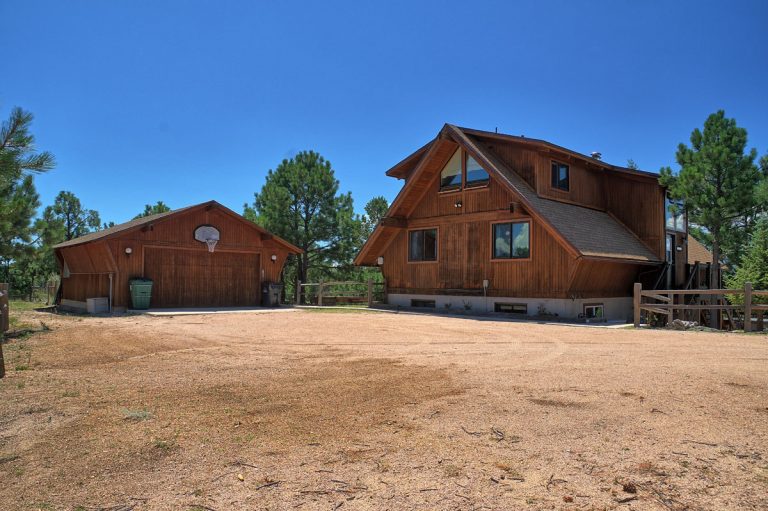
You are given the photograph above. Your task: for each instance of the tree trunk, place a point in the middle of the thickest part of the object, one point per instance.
(2, 358)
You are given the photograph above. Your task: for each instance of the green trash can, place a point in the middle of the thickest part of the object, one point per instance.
(141, 293)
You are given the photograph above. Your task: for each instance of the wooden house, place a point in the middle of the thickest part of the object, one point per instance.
(493, 222)
(199, 256)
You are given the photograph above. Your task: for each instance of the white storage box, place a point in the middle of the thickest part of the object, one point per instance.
(97, 305)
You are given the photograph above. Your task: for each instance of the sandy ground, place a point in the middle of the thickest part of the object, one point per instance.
(339, 410)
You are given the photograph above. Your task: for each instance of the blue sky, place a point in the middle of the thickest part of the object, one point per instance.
(186, 101)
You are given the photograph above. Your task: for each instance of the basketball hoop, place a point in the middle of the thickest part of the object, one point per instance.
(209, 235)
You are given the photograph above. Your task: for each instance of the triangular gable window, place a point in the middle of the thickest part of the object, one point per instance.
(450, 176)
(476, 175)
(462, 169)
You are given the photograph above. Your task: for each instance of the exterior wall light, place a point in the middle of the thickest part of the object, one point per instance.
(128, 250)
(274, 258)
(380, 261)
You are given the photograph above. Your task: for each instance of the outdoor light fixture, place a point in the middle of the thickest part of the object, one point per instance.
(128, 250)
(380, 260)
(274, 258)
(457, 204)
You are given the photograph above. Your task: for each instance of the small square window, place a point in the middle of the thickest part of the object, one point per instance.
(560, 176)
(429, 304)
(511, 308)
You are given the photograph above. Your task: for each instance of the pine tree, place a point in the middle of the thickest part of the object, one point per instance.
(717, 182)
(754, 265)
(300, 202)
(153, 209)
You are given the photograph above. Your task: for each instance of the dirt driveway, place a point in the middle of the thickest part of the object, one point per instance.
(324, 410)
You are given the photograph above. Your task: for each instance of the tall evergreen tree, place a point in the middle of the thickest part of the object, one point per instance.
(754, 264)
(717, 182)
(66, 218)
(153, 209)
(300, 202)
(18, 197)
(375, 210)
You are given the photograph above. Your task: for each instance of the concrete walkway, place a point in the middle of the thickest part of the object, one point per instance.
(211, 310)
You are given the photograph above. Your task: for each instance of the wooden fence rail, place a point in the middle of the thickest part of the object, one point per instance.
(365, 293)
(666, 304)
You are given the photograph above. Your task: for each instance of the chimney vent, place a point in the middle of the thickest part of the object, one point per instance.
(596, 155)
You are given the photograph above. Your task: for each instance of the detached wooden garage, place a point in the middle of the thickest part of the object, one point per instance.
(200, 256)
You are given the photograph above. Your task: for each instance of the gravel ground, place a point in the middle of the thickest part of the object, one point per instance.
(342, 410)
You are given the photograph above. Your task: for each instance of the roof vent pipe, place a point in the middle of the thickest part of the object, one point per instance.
(596, 155)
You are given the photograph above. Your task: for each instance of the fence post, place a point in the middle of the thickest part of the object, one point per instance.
(370, 292)
(636, 298)
(4, 308)
(320, 294)
(4, 323)
(747, 306)
(671, 312)
(298, 292)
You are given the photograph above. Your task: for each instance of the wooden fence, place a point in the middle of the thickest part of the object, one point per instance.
(667, 301)
(341, 293)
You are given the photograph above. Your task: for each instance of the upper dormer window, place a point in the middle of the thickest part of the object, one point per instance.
(462, 170)
(561, 176)
(476, 175)
(450, 177)
(674, 215)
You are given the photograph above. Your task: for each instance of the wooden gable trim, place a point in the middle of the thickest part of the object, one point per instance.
(403, 168)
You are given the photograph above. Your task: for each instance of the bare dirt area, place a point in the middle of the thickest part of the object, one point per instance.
(341, 410)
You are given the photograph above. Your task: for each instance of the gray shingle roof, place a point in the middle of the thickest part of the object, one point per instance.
(136, 222)
(591, 232)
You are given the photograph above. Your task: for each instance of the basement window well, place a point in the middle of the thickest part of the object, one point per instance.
(511, 308)
(429, 304)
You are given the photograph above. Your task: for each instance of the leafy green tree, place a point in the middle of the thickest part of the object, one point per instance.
(153, 209)
(754, 265)
(66, 219)
(375, 210)
(300, 202)
(717, 182)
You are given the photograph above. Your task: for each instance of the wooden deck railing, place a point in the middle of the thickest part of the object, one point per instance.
(666, 304)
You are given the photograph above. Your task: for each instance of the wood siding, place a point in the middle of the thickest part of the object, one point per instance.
(464, 233)
(464, 261)
(186, 274)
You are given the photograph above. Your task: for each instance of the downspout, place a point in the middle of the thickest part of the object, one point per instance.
(110, 292)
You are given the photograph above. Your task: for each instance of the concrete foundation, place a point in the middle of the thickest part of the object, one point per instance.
(614, 308)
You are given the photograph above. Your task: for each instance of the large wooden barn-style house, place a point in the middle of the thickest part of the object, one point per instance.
(493, 222)
(199, 256)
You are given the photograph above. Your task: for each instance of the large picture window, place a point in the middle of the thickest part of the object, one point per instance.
(476, 175)
(512, 240)
(560, 176)
(422, 245)
(450, 176)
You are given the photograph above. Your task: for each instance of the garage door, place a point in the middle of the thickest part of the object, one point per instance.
(198, 278)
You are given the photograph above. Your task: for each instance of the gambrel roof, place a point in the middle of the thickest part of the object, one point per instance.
(583, 231)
